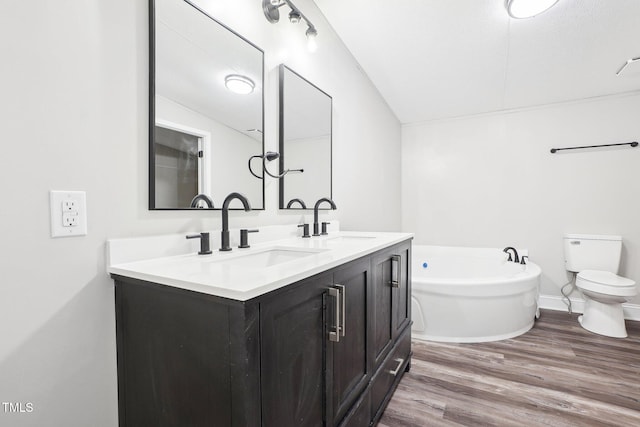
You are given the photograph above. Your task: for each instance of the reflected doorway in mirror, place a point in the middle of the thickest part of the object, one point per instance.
(182, 167)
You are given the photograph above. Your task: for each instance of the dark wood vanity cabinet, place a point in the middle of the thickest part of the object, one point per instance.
(326, 351)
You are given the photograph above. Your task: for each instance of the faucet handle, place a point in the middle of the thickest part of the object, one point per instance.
(205, 248)
(324, 228)
(244, 237)
(305, 230)
(522, 261)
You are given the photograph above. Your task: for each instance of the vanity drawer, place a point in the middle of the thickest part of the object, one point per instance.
(387, 377)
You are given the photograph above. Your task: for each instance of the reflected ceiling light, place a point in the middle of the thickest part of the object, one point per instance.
(271, 12)
(520, 9)
(239, 84)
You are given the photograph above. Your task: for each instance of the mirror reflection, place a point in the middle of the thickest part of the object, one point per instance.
(305, 141)
(206, 110)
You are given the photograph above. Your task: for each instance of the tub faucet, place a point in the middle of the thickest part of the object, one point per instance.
(316, 231)
(224, 246)
(515, 258)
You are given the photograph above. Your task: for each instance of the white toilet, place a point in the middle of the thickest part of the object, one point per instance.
(596, 259)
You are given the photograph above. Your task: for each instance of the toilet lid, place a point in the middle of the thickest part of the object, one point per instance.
(606, 278)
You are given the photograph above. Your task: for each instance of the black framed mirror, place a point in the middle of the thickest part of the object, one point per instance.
(305, 141)
(206, 106)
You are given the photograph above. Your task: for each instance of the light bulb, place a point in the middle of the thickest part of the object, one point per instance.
(312, 45)
(294, 17)
(520, 9)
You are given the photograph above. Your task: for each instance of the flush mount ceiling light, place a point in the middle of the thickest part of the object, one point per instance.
(239, 84)
(271, 12)
(521, 9)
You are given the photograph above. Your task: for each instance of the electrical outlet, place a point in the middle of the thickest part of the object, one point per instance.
(69, 205)
(70, 219)
(68, 213)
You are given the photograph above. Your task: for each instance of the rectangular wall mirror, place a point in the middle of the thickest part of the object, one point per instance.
(305, 141)
(205, 109)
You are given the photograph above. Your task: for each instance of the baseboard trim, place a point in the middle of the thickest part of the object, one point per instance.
(552, 302)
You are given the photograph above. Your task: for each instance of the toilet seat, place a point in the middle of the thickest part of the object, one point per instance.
(606, 283)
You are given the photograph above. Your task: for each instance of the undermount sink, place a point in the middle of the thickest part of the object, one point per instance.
(268, 257)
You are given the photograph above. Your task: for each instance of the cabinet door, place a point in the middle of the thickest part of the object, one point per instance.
(293, 347)
(347, 359)
(391, 300)
(381, 316)
(401, 293)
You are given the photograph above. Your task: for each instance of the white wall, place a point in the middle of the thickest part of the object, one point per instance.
(490, 181)
(73, 114)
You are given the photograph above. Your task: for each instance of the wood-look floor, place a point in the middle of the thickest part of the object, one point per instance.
(557, 374)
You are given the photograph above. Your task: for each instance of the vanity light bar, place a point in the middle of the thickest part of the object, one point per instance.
(271, 12)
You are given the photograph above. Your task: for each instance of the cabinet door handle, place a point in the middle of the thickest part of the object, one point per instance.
(395, 371)
(343, 326)
(396, 271)
(334, 335)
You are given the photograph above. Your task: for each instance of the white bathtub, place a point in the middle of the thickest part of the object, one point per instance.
(471, 295)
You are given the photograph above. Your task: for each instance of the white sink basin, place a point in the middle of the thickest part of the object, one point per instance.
(267, 257)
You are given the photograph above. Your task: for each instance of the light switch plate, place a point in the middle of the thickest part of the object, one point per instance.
(68, 213)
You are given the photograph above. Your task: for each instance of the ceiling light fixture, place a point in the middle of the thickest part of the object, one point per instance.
(521, 9)
(271, 12)
(239, 84)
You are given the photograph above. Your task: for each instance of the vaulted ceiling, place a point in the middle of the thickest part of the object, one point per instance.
(434, 59)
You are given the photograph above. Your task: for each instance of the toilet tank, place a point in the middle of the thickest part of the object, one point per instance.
(592, 252)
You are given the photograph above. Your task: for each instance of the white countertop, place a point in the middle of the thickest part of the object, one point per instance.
(235, 275)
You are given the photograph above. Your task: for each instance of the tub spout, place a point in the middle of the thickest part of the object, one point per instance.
(515, 257)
